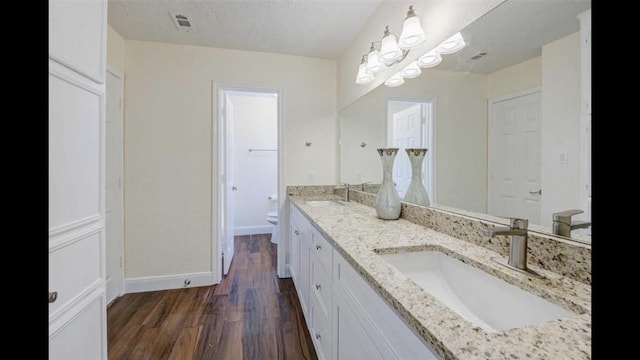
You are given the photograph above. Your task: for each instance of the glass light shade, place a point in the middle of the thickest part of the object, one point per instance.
(430, 59)
(410, 71)
(394, 81)
(452, 44)
(373, 62)
(389, 51)
(364, 76)
(412, 34)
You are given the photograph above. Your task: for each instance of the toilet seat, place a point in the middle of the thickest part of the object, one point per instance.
(272, 217)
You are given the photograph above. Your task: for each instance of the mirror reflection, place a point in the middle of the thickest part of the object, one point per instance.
(503, 120)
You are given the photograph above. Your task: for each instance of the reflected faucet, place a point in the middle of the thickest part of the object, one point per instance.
(346, 191)
(364, 185)
(517, 259)
(562, 224)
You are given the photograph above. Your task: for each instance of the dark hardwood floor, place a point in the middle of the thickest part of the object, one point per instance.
(251, 314)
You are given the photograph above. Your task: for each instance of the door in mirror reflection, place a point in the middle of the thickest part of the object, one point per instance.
(410, 125)
(514, 157)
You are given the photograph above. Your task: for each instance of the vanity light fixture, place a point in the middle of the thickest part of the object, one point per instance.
(411, 71)
(394, 81)
(412, 34)
(389, 50)
(364, 76)
(452, 44)
(373, 60)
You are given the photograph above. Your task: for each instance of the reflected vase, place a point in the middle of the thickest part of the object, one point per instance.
(416, 193)
(387, 200)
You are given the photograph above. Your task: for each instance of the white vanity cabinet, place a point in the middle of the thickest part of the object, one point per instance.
(346, 318)
(301, 233)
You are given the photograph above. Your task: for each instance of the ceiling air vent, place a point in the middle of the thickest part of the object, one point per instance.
(478, 56)
(182, 22)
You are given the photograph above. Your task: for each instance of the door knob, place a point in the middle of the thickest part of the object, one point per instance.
(53, 296)
(234, 188)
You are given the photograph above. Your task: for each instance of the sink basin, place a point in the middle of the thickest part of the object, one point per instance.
(482, 299)
(322, 203)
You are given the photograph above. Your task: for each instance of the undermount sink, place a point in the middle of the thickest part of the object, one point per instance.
(482, 299)
(323, 203)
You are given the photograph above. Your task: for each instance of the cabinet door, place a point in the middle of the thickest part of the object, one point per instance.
(294, 253)
(350, 338)
(304, 265)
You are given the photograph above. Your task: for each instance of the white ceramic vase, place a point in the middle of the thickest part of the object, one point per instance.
(416, 193)
(387, 201)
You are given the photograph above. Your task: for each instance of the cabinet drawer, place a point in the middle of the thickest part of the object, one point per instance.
(321, 283)
(321, 247)
(320, 329)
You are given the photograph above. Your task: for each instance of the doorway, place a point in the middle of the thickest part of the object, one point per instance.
(410, 125)
(514, 156)
(249, 170)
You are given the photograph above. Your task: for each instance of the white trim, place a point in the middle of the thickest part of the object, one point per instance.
(514, 95)
(74, 225)
(252, 230)
(67, 239)
(167, 282)
(69, 311)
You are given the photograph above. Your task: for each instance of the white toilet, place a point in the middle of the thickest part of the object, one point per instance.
(272, 218)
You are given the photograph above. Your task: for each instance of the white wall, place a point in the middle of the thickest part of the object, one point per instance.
(115, 51)
(460, 142)
(560, 125)
(169, 169)
(519, 77)
(255, 126)
(439, 19)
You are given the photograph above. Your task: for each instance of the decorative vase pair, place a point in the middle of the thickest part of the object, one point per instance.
(388, 201)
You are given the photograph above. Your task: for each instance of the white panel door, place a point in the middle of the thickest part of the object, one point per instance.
(77, 289)
(228, 187)
(113, 187)
(407, 133)
(514, 158)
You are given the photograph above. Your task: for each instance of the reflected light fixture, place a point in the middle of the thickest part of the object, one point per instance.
(394, 81)
(430, 59)
(412, 34)
(364, 76)
(452, 44)
(411, 71)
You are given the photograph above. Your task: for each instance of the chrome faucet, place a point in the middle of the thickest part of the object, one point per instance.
(364, 186)
(562, 224)
(517, 259)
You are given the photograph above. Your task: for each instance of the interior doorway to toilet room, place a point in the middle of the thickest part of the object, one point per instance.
(249, 159)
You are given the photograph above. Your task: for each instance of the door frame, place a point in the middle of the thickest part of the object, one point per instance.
(121, 76)
(491, 113)
(431, 165)
(217, 206)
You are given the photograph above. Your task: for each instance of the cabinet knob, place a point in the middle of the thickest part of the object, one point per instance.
(53, 296)
(296, 232)
(318, 247)
(318, 286)
(318, 336)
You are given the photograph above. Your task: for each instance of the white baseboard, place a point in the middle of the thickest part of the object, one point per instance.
(252, 230)
(167, 282)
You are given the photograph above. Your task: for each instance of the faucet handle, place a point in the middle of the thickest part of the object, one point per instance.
(565, 216)
(519, 223)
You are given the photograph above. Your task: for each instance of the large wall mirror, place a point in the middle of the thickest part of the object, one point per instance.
(502, 120)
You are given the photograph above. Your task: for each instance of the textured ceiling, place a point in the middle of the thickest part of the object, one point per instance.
(513, 32)
(313, 28)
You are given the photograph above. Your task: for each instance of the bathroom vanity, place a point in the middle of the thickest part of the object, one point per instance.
(361, 301)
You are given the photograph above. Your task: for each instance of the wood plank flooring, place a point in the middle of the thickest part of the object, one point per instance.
(251, 314)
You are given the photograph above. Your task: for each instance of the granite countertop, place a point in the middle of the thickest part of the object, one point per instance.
(360, 236)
